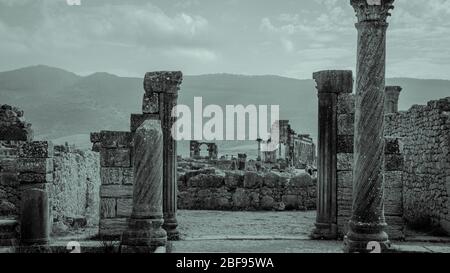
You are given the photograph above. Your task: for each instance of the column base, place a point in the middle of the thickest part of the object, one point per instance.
(143, 236)
(366, 238)
(170, 225)
(324, 231)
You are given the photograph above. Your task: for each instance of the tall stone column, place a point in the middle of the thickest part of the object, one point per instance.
(329, 85)
(367, 223)
(144, 233)
(167, 85)
(259, 140)
(392, 94)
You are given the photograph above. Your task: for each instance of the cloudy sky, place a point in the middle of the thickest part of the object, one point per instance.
(282, 37)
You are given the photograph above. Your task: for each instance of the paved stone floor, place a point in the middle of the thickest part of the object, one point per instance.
(237, 224)
(248, 232)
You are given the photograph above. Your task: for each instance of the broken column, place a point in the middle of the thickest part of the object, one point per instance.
(259, 140)
(367, 223)
(392, 94)
(167, 84)
(144, 233)
(330, 84)
(35, 167)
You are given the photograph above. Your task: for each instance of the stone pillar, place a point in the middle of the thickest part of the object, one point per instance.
(35, 167)
(145, 233)
(167, 84)
(392, 93)
(259, 149)
(329, 85)
(367, 223)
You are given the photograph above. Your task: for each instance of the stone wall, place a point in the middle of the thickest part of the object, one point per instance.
(116, 174)
(425, 134)
(211, 189)
(74, 193)
(393, 173)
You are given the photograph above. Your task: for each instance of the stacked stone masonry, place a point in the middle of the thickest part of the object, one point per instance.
(116, 174)
(424, 131)
(211, 189)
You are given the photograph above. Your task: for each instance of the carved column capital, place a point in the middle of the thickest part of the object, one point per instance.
(376, 11)
(334, 81)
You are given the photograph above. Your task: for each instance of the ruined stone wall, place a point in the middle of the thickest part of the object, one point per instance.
(116, 174)
(74, 192)
(9, 180)
(425, 134)
(393, 173)
(346, 119)
(211, 189)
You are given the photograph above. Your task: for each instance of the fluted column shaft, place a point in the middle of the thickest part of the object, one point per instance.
(329, 85)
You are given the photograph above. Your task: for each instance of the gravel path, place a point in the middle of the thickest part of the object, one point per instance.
(226, 224)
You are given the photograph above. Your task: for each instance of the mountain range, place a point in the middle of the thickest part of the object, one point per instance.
(64, 106)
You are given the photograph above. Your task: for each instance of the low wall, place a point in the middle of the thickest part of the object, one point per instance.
(211, 189)
(74, 193)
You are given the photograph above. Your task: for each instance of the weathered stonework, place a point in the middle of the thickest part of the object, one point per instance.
(144, 233)
(367, 222)
(331, 85)
(425, 143)
(209, 189)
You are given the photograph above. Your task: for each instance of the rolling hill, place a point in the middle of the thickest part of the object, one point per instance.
(63, 106)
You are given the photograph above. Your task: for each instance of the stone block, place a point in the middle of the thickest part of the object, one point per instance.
(393, 179)
(113, 227)
(345, 179)
(252, 180)
(344, 162)
(346, 104)
(107, 208)
(241, 200)
(234, 179)
(34, 165)
(115, 157)
(345, 144)
(116, 139)
(393, 201)
(16, 133)
(301, 181)
(150, 103)
(136, 120)
(119, 191)
(9, 179)
(291, 201)
(35, 178)
(36, 149)
(124, 207)
(96, 137)
(393, 162)
(346, 124)
(116, 176)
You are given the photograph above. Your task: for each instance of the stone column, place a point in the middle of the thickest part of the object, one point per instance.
(145, 233)
(35, 167)
(167, 84)
(259, 149)
(367, 223)
(329, 85)
(392, 94)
